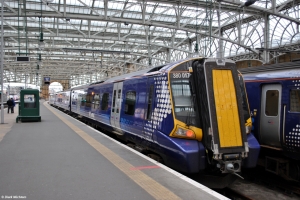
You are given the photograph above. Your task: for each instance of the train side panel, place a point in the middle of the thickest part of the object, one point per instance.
(102, 113)
(78, 100)
(254, 96)
(274, 99)
(159, 126)
(62, 100)
(133, 106)
(275, 109)
(96, 105)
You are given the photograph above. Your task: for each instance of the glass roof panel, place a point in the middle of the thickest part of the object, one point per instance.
(150, 8)
(189, 13)
(277, 30)
(282, 31)
(115, 5)
(112, 30)
(161, 9)
(134, 8)
(72, 2)
(296, 38)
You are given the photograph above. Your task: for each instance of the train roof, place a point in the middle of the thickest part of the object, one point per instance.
(133, 74)
(273, 67)
(275, 71)
(80, 86)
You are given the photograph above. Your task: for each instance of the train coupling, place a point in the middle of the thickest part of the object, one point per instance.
(231, 163)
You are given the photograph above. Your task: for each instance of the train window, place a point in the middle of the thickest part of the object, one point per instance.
(96, 101)
(119, 97)
(104, 104)
(149, 108)
(83, 99)
(181, 94)
(114, 101)
(89, 100)
(295, 100)
(272, 100)
(182, 100)
(130, 103)
(119, 94)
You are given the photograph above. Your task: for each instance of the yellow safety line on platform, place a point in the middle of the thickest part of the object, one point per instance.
(148, 184)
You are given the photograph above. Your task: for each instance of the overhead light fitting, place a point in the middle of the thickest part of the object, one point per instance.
(41, 42)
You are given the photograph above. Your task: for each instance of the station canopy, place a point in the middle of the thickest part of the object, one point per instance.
(91, 40)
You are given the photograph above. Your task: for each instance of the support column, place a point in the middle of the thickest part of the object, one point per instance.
(2, 60)
(190, 48)
(266, 44)
(169, 55)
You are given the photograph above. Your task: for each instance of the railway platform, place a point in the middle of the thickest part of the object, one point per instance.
(62, 158)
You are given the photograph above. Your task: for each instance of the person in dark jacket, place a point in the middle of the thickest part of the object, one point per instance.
(10, 105)
(14, 104)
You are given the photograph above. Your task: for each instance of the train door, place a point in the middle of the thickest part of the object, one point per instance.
(78, 98)
(116, 105)
(270, 115)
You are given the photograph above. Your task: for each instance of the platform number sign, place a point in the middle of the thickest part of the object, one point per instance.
(47, 80)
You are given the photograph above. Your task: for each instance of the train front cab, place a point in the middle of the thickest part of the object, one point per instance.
(215, 114)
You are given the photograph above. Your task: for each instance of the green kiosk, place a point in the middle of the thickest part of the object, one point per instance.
(29, 106)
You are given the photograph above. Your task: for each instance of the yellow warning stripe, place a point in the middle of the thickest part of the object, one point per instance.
(148, 184)
(226, 109)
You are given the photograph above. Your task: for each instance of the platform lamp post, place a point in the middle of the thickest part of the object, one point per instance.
(220, 48)
(2, 55)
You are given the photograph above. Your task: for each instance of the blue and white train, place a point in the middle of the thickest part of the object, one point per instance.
(191, 114)
(274, 99)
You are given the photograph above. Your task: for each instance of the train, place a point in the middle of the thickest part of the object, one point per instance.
(274, 100)
(191, 115)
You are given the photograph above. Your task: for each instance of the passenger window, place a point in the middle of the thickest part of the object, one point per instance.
(83, 99)
(89, 100)
(119, 99)
(104, 104)
(114, 101)
(295, 100)
(272, 100)
(96, 101)
(130, 103)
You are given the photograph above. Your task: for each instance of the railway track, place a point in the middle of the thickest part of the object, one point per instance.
(259, 184)
(235, 195)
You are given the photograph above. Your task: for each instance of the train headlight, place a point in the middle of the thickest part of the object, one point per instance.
(248, 129)
(181, 132)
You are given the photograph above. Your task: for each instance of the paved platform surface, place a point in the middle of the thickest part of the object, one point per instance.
(62, 158)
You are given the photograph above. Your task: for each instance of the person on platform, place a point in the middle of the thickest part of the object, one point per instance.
(14, 104)
(9, 105)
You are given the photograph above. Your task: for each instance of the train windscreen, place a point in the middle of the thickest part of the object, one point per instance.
(184, 109)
